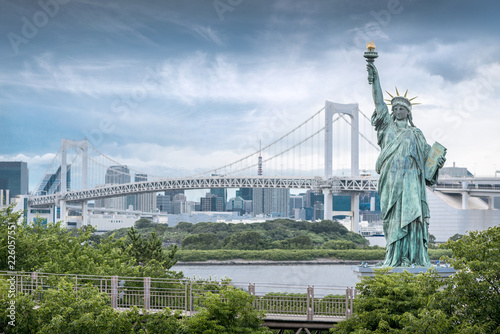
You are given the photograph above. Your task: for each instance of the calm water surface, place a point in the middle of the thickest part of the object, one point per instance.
(340, 275)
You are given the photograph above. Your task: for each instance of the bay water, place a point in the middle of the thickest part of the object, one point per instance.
(282, 277)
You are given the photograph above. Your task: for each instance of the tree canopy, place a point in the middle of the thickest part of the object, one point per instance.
(468, 302)
(274, 234)
(55, 249)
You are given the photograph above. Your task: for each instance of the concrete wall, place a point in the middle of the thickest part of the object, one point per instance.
(448, 219)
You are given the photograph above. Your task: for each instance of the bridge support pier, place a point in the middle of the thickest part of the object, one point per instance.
(355, 213)
(62, 208)
(465, 196)
(491, 203)
(85, 213)
(327, 204)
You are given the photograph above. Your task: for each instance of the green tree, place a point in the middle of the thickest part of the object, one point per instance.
(201, 241)
(184, 226)
(298, 242)
(456, 237)
(468, 302)
(65, 311)
(55, 249)
(230, 312)
(245, 240)
(147, 249)
(473, 297)
(385, 301)
(8, 235)
(143, 223)
(339, 244)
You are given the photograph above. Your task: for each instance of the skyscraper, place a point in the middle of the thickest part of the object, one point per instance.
(271, 201)
(14, 178)
(296, 202)
(164, 203)
(211, 203)
(221, 193)
(142, 202)
(245, 193)
(115, 175)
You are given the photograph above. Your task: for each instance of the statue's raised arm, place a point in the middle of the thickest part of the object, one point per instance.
(378, 97)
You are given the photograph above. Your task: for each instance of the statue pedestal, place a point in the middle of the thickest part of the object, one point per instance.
(442, 271)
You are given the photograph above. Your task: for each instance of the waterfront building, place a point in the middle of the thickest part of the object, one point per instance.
(236, 204)
(142, 202)
(119, 174)
(211, 202)
(247, 206)
(51, 183)
(245, 193)
(180, 205)
(13, 180)
(296, 202)
(221, 193)
(271, 201)
(164, 203)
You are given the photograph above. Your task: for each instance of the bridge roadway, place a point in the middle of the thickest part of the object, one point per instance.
(316, 309)
(335, 184)
(481, 187)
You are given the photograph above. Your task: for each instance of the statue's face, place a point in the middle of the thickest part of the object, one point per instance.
(400, 112)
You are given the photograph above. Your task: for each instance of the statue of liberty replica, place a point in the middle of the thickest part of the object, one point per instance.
(406, 164)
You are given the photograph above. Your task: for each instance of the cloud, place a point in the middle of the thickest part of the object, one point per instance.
(182, 90)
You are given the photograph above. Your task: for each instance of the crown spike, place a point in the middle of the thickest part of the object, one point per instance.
(397, 91)
(413, 98)
(406, 93)
(389, 94)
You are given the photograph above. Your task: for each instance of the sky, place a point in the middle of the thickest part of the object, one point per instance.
(178, 85)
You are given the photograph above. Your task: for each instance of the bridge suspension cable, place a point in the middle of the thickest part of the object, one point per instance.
(362, 135)
(47, 170)
(120, 164)
(215, 170)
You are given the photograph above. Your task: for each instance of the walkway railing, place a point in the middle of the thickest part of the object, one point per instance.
(153, 294)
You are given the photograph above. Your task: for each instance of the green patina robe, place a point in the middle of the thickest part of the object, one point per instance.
(401, 187)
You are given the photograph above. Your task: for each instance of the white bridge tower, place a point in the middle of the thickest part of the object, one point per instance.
(353, 111)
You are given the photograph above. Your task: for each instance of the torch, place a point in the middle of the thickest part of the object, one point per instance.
(370, 56)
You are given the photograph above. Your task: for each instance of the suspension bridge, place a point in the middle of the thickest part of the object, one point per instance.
(309, 156)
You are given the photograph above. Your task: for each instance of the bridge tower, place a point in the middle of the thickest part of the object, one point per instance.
(352, 110)
(77, 145)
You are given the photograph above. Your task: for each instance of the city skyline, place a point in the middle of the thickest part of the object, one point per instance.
(167, 86)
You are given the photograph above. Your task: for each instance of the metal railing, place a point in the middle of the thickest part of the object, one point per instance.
(186, 295)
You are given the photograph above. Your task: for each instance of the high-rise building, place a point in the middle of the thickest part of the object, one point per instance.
(312, 197)
(236, 204)
(51, 183)
(142, 202)
(296, 202)
(211, 203)
(271, 201)
(318, 211)
(13, 179)
(164, 203)
(245, 193)
(179, 204)
(173, 192)
(115, 175)
(221, 193)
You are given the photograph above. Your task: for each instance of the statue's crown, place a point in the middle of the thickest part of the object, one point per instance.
(401, 100)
